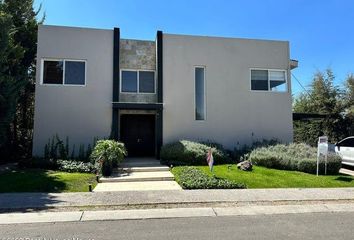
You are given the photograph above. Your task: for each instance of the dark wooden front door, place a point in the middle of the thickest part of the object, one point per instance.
(138, 134)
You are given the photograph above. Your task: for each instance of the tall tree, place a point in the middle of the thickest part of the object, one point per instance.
(20, 68)
(349, 85)
(9, 87)
(323, 98)
(349, 103)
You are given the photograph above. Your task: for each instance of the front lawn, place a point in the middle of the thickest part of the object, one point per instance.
(39, 180)
(262, 177)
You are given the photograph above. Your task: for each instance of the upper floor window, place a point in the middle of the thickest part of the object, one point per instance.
(129, 81)
(268, 80)
(133, 81)
(64, 72)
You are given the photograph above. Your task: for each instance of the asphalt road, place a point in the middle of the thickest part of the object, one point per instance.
(289, 226)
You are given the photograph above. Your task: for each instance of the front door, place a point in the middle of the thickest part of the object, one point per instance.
(138, 134)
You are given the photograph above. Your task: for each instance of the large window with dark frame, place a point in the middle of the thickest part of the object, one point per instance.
(64, 72)
(268, 80)
(134, 81)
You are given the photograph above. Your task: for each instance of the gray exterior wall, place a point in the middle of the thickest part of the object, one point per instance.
(235, 115)
(79, 112)
(137, 55)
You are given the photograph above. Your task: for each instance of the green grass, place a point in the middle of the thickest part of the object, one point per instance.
(262, 177)
(38, 180)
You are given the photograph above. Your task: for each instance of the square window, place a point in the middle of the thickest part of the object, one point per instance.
(53, 72)
(146, 82)
(259, 80)
(277, 81)
(129, 81)
(75, 72)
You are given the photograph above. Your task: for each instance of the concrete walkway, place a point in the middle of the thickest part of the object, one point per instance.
(138, 174)
(143, 199)
(83, 216)
(137, 186)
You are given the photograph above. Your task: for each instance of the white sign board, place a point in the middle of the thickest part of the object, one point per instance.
(322, 152)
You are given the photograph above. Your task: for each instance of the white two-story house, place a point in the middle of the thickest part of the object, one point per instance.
(91, 83)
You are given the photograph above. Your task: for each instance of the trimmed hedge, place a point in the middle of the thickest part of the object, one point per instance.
(193, 178)
(186, 152)
(296, 157)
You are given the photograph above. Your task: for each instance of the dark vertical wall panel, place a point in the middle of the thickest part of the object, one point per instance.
(116, 40)
(158, 129)
(159, 115)
(116, 75)
(159, 66)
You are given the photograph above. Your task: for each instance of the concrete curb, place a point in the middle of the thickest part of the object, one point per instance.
(82, 216)
(41, 217)
(147, 214)
(284, 209)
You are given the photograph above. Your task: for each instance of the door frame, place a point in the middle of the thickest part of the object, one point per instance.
(142, 113)
(120, 107)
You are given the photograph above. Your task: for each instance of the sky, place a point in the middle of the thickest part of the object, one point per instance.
(320, 32)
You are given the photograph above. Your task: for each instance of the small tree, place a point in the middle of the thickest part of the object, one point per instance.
(106, 154)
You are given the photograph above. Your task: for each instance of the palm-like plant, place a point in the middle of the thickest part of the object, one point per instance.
(106, 154)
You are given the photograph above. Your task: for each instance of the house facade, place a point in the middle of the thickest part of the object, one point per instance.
(92, 83)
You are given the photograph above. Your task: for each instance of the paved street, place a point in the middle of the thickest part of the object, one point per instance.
(288, 226)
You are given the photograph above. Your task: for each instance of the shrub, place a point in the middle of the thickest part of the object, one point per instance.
(106, 154)
(297, 157)
(53, 164)
(193, 178)
(76, 166)
(238, 153)
(190, 153)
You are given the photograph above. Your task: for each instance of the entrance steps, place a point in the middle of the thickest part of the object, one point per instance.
(140, 170)
(137, 186)
(140, 162)
(139, 176)
(141, 165)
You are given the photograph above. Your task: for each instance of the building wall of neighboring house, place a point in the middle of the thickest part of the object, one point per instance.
(137, 55)
(234, 114)
(79, 112)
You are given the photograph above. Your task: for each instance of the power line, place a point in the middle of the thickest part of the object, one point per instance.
(297, 80)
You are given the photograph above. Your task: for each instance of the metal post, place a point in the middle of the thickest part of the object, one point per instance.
(326, 164)
(318, 160)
